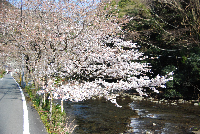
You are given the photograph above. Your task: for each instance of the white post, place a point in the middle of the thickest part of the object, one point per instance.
(51, 97)
(62, 105)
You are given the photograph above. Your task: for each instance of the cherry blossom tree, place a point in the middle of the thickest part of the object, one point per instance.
(43, 30)
(76, 40)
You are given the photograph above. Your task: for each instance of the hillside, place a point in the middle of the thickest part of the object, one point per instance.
(169, 31)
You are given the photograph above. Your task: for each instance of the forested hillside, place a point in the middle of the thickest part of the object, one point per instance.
(168, 30)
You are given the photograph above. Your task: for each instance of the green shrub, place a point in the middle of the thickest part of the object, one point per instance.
(123, 3)
(170, 93)
(2, 73)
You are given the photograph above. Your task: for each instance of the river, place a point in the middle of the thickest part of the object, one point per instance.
(136, 116)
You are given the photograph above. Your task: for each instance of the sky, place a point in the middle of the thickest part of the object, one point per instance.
(90, 4)
(86, 2)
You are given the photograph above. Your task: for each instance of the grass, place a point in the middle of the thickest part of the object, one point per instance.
(2, 73)
(55, 121)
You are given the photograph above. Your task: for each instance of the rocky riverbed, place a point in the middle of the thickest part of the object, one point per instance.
(137, 115)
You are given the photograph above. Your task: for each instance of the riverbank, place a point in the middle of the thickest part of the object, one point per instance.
(53, 118)
(135, 116)
(163, 101)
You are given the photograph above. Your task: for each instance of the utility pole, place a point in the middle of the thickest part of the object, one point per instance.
(22, 78)
(21, 11)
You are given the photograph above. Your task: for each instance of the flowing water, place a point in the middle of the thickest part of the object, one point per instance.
(165, 118)
(137, 117)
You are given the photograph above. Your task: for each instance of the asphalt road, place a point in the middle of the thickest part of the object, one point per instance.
(16, 115)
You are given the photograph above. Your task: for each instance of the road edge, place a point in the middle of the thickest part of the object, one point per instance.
(25, 112)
